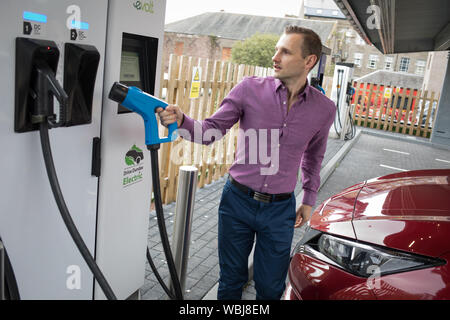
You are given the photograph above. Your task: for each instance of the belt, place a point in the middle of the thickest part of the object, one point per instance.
(260, 196)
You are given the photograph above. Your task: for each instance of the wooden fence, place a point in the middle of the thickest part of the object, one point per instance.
(213, 161)
(404, 110)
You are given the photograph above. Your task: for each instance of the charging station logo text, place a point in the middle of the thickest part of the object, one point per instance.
(133, 173)
(144, 6)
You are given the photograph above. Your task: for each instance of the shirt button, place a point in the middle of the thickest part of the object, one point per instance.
(285, 125)
(284, 102)
(265, 185)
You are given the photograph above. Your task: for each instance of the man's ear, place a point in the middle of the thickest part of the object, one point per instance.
(311, 61)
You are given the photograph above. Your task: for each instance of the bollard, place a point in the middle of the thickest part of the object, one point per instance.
(187, 186)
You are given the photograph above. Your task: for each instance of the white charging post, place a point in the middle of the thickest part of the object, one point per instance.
(105, 182)
(342, 78)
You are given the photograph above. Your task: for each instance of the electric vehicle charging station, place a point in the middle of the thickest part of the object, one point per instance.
(134, 56)
(86, 46)
(341, 88)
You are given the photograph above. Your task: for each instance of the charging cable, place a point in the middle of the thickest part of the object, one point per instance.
(8, 278)
(46, 85)
(163, 231)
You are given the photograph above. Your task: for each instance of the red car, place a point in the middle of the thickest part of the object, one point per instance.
(386, 238)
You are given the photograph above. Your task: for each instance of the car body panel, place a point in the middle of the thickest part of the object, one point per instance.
(425, 284)
(406, 211)
(334, 215)
(313, 279)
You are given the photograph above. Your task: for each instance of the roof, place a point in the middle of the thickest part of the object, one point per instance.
(242, 26)
(391, 78)
(323, 4)
(404, 26)
(324, 13)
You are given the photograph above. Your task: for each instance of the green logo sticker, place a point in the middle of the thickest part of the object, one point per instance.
(146, 6)
(134, 156)
(133, 173)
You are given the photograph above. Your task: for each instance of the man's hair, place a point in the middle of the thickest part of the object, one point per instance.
(312, 45)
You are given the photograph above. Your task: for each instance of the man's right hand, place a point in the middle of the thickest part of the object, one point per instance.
(169, 115)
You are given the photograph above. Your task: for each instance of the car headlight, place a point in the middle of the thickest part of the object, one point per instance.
(362, 259)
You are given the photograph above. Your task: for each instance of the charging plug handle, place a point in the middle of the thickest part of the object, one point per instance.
(45, 88)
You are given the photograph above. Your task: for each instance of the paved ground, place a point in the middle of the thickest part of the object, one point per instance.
(370, 157)
(374, 156)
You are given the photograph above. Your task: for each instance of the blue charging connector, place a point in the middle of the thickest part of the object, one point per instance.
(145, 105)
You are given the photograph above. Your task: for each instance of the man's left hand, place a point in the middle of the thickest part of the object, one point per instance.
(303, 215)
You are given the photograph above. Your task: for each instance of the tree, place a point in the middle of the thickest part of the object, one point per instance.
(257, 50)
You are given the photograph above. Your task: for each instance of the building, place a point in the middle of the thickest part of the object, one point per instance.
(348, 46)
(212, 35)
(435, 72)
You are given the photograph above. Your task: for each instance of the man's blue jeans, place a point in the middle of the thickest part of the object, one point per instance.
(240, 219)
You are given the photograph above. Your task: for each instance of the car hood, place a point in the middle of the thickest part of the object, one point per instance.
(408, 211)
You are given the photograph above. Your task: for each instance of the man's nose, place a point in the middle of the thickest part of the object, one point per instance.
(276, 57)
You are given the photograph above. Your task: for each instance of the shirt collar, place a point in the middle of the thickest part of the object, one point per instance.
(279, 84)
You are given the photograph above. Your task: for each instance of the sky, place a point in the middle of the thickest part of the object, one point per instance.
(182, 9)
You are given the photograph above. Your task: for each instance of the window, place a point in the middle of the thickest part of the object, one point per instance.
(357, 59)
(404, 64)
(179, 46)
(420, 67)
(388, 63)
(373, 59)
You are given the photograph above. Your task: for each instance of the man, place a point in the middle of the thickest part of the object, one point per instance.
(256, 200)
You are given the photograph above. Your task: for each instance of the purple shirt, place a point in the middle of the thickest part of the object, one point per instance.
(272, 143)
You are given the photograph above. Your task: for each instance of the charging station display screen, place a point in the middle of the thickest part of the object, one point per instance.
(129, 68)
(138, 63)
(130, 72)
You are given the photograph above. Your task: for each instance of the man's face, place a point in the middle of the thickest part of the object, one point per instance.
(288, 61)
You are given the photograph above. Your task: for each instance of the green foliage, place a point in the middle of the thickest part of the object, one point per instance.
(257, 50)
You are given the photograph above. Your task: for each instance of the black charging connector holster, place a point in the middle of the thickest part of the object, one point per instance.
(80, 71)
(36, 84)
